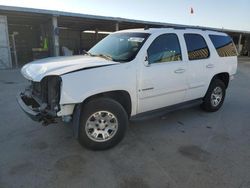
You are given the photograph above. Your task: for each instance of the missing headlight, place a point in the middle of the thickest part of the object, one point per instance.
(53, 92)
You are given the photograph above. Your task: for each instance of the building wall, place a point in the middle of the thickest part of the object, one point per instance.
(248, 45)
(31, 28)
(88, 40)
(78, 41)
(26, 38)
(70, 39)
(5, 58)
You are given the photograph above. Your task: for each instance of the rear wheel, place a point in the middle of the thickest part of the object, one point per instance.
(102, 124)
(215, 96)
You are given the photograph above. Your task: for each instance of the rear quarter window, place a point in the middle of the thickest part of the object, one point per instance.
(223, 45)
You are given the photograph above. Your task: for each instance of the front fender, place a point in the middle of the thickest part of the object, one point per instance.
(78, 86)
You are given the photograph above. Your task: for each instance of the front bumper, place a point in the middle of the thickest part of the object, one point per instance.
(35, 110)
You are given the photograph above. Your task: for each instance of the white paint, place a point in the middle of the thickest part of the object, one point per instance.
(149, 86)
(66, 110)
(38, 69)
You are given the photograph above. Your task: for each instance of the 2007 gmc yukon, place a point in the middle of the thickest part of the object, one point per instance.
(128, 73)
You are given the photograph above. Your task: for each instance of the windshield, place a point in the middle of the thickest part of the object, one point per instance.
(122, 47)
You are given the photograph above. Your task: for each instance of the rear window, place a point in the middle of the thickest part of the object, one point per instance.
(196, 46)
(224, 45)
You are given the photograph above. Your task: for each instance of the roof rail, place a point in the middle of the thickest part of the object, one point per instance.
(183, 27)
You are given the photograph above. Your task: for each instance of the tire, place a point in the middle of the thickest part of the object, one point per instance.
(215, 92)
(102, 124)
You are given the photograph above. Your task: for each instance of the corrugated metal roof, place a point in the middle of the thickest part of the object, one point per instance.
(106, 18)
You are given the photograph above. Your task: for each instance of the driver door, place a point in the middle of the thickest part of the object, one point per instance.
(164, 81)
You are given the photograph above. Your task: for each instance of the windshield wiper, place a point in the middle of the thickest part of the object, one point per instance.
(87, 53)
(108, 57)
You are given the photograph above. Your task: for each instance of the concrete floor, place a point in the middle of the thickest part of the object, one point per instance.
(187, 148)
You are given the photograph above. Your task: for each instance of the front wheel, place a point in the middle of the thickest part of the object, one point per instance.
(215, 96)
(102, 124)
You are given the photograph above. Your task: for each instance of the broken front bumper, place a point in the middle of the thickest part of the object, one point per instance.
(35, 110)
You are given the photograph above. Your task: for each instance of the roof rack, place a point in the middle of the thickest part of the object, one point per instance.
(183, 27)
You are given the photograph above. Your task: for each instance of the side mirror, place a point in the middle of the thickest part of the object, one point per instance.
(146, 63)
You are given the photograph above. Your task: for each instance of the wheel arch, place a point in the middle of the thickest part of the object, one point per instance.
(121, 96)
(223, 76)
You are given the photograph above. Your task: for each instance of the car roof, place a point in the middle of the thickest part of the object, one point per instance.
(172, 29)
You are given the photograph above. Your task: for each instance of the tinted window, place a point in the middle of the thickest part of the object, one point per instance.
(164, 48)
(196, 46)
(224, 45)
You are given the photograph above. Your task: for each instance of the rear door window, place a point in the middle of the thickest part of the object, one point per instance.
(196, 46)
(224, 45)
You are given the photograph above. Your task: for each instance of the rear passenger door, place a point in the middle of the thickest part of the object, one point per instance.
(200, 66)
(163, 82)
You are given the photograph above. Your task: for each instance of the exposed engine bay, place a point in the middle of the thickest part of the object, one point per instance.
(43, 98)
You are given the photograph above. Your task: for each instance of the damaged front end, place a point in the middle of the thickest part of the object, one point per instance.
(40, 101)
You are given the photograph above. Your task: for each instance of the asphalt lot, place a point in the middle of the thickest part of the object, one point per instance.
(187, 148)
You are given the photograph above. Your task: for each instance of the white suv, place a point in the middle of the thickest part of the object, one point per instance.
(128, 73)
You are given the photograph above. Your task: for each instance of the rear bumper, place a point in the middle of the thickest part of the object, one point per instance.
(33, 109)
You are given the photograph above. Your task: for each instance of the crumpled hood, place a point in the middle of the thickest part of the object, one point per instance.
(38, 69)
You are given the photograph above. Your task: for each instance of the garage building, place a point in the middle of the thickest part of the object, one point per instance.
(27, 34)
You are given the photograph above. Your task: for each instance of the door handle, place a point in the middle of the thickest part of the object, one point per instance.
(210, 66)
(178, 71)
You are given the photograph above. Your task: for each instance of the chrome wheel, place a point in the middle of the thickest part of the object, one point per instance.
(216, 96)
(101, 126)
